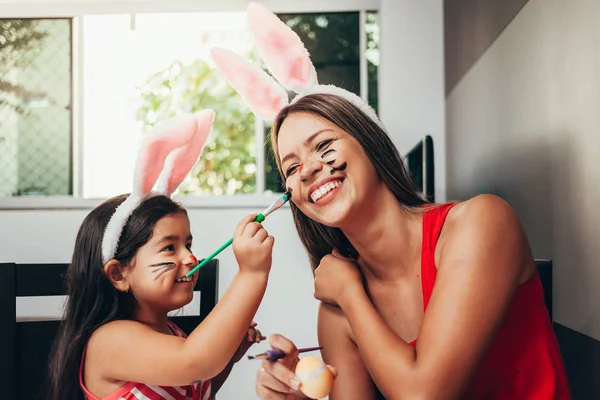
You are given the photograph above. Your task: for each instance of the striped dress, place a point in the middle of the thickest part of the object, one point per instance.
(141, 391)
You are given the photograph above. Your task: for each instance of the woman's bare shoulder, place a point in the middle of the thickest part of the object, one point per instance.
(482, 220)
(478, 213)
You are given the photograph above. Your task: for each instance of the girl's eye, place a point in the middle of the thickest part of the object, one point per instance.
(188, 246)
(169, 248)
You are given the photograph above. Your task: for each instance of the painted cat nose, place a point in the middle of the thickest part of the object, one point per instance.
(194, 259)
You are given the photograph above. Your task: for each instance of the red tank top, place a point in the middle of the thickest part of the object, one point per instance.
(524, 360)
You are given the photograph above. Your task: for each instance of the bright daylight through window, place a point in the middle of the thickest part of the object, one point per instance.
(132, 72)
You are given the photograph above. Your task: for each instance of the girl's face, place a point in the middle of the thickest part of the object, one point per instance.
(157, 277)
(330, 174)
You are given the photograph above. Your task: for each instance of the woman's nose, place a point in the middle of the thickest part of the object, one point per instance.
(310, 168)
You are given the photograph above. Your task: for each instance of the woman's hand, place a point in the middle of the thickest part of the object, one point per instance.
(252, 246)
(276, 379)
(336, 278)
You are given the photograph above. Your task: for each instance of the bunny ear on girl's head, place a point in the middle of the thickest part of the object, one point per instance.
(281, 49)
(164, 138)
(181, 161)
(174, 144)
(263, 94)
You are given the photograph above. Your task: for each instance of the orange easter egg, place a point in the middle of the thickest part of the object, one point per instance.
(316, 378)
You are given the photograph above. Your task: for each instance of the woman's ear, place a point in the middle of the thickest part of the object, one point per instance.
(114, 272)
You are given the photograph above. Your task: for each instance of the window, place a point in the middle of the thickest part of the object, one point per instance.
(35, 107)
(134, 71)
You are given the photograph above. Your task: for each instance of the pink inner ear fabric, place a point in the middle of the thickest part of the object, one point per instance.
(281, 49)
(186, 157)
(262, 94)
(163, 139)
(149, 165)
(300, 71)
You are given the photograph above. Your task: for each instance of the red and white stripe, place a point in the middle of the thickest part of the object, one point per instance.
(141, 391)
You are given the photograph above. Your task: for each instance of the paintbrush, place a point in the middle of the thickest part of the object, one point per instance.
(259, 218)
(276, 354)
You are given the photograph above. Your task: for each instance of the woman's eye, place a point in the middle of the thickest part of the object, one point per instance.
(291, 170)
(324, 144)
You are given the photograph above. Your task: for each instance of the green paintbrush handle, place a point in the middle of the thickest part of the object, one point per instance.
(259, 218)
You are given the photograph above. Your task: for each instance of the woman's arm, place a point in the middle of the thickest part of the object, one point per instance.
(478, 272)
(353, 380)
(131, 351)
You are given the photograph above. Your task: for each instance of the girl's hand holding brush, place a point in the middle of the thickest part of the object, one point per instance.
(252, 246)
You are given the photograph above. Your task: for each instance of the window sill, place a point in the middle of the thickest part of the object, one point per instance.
(35, 203)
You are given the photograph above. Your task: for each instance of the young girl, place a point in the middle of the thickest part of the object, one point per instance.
(128, 271)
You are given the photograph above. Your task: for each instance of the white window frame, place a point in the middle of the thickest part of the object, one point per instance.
(75, 8)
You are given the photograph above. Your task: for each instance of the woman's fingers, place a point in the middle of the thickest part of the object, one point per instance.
(333, 371)
(284, 344)
(279, 377)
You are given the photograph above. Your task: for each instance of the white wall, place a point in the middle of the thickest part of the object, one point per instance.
(524, 123)
(411, 78)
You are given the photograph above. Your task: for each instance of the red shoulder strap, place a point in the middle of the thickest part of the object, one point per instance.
(433, 221)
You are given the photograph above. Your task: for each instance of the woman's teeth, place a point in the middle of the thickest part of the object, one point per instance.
(183, 279)
(323, 190)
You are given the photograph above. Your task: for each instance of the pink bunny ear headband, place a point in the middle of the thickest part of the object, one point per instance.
(287, 59)
(167, 154)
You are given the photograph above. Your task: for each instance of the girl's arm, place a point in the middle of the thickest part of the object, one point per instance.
(480, 265)
(353, 380)
(131, 351)
(218, 381)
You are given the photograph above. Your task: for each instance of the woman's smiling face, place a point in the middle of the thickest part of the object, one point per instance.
(327, 169)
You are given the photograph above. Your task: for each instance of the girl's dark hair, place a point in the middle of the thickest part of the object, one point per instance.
(92, 300)
(317, 238)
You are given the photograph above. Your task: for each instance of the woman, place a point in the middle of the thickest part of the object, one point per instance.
(419, 301)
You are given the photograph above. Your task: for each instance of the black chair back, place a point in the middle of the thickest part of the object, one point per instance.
(545, 272)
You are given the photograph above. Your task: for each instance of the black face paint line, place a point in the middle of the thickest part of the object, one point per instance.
(332, 161)
(161, 268)
(342, 167)
(327, 152)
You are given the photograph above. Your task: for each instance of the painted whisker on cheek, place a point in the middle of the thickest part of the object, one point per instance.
(342, 167)
(328, 152)
(161, 268)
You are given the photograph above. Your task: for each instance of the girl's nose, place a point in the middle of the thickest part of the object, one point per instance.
(193, 260)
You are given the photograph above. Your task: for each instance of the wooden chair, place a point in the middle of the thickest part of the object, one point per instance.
(26, 344)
